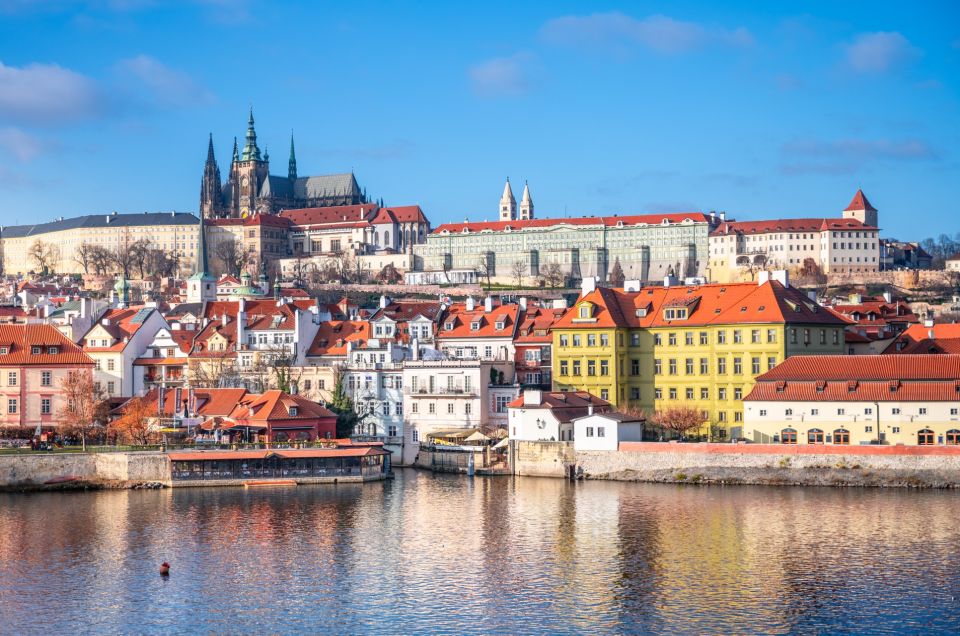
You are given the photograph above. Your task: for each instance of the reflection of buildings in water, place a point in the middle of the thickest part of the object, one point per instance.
(639, 558)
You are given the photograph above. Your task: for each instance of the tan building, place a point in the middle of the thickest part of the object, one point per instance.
(63, 241)
(739, 249)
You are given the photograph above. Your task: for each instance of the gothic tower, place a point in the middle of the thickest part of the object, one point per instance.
(251, 171)
(508, 205)
(292, 164)
(526, 204)
(211, 197)
(861, 210)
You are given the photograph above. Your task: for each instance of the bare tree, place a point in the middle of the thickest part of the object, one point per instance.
(44, 255)
(484, 269)
(163, 263)
(553, 274)
(84, 255)
(140, 254)
(85, 407)
(517, 270)
(101, 260)
(215, 369)
(389, 275)
(616, 276)
(679, 419)
(300, 270)
(231, 255)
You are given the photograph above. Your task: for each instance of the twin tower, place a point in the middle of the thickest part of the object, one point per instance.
(508, 205)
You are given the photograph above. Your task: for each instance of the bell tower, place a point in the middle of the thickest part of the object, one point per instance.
(508, 204)
(251, 171)
(211, 196)
(526, 204)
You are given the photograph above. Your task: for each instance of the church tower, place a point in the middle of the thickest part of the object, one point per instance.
(526, 204)
(508, 205)
(211, 197)
(202, 286)
(861, 210)
(292, 164)
(251, 172)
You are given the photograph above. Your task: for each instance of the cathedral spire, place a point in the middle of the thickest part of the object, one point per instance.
(526, 203)
(210, 158)
(508, 204)
(236, 153)
(250, 150)
(292, 169)
(211, 195)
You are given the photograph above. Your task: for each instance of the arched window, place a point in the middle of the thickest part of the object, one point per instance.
(386, 238)
(841, 436)
(406, 237)
(925, 437)
(953, 437)
(815, 436)
(376, 237)
(788, 436)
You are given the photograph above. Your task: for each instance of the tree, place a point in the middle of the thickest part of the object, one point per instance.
(139, 255)
(44, 255)
(84, 255)
(275, 368)
(215, 370)
(679, 419)
(231, 255)
(133, 427)
(811, 274)
(616, 276)
(342, 405)
(163, 263)
(389, 275)
(85, 407)
(101, 260)
(485, 269)
(553, 274)
(517, 270)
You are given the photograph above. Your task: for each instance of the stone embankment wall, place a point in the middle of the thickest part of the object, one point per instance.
(83, 470)
(542, 459)
(774, 464)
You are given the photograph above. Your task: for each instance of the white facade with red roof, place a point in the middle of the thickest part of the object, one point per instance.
(479, 331)
(850, 244)
(116, 340)
(838, 400)
(548, 416)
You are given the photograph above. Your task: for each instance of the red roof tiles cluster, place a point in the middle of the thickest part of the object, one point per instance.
(789, 225)
(459, 322)
(603, 221)
(21, 340)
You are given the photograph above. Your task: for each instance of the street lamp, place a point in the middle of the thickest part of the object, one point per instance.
(877, 405)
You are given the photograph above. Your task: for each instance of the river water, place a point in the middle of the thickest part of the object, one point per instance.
(444, 553)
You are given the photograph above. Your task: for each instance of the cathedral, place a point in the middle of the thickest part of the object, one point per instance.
(251, 189)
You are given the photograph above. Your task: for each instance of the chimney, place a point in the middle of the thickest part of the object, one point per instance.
(763, 277)
(590, 409)
(415, 349)
(361, 213)
(384, 301)
(242, 305)
(588, 285)
(782, 276)
(523, 303)
(471, 303)
(887, 297)
(812, 295)
(488, 304)
(723, 215)
(532, 397)
(928, 319)
(632, 285)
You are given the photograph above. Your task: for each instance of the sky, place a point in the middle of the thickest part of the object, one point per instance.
(762, 110)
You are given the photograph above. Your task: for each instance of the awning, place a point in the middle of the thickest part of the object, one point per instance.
(477, 437)
(502, 443)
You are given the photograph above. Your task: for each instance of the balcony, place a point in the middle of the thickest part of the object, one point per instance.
(443, 391)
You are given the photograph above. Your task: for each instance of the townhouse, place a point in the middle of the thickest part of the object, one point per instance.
(548, 415)
(116, 341)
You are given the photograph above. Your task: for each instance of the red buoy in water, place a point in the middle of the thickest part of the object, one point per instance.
(164, 569)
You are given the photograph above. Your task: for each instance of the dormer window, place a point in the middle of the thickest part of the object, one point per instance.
(293, 411)
(585, 312)
(4, 350)
(448, 326)
(475, 325)
(675, 313)
(53, 350)
(35, 350)
(641, 312)
(500, 325)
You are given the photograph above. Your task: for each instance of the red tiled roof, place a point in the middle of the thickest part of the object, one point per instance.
(462, 322)
(121, 326)
(404, 310)
(401, 214)
(608, 221)
(210, 402)
(866, 367)
(565, 405)
(21, 338)
(940, 338)
(859, 202)
(789, 225)
(275, 405)
(332, 337)
(351, 451)
(536, 325)
(335, 214)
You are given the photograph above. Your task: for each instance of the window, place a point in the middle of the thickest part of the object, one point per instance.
(721, 394)
(704, 393)
(657, 366)
(584, 311)
(771, 335)
(688, 338)
(923, 410)
(673, 366)
(415, 435)
(563, 341)
(895, 411)
(814, 436)
(658, 394)
(737, 336)
(738, 416)
(634, 393)
(755, 336)
(953, 411)
(737, 366)
(738, 393)
(111, 364)
(591, 340)
(703, 337)
(793, 335)
(589, 431)
(450, 408)
(110, 387)
(953, 437)
(45, 378)
(823, 336)
(563, 367)
(432, 408)
(721, 337)
(688, 366)
(53, 350)
(672, 339)
(35, 350)
(576, 367)
(689, 393)
(12, 377)
(771, 362)
(704, 366)
(600, 430)
(722, 365)
(836, 336)
(868, 411)
(867, 429)
(604, 340)
(788, 436)
(604, 367)
(657, 339)
(501, 403)
(925, 437)
(12, 406)
(634, 340)
(841, 436)
(467, 408)
(576, 340)
(591, 367)
(634, 367)
(763, 412)
(841, 411)
(896, 429)
(604, 394)
(673, 394)
(722, 416)
(755, 366)
(414, 408)
(44, 406)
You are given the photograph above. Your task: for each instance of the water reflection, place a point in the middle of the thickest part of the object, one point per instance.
(435, 553)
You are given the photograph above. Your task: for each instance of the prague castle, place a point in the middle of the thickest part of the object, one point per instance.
(251, 189)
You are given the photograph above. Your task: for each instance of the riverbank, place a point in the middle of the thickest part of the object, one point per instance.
(746, 464)
(84, 471)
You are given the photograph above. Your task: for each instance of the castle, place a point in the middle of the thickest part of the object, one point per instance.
(251, 189)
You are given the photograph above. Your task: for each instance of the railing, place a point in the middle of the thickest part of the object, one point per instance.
(471, 392)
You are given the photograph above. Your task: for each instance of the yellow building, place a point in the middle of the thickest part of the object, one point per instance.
(697, 346)
(60, 245)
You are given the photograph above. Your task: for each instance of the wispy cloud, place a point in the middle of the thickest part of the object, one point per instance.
(22, 145)
(46, 94)
(665, 207)
(879, 52)
(163, 85)
(846, 156)
(617, 32)
(503, 76)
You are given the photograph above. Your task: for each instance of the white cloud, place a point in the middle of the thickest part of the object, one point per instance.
(879, 52)
(46, 94)
(164, 85)
(503, 76)
(619, 32)
(846, 156)
(20, 144)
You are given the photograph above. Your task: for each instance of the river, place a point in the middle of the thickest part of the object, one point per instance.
(444, 553)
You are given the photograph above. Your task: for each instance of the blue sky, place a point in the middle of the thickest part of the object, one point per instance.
(759, 109)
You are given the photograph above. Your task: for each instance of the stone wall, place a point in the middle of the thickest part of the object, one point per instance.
(775, 464)
(82, 469)
(541, 459)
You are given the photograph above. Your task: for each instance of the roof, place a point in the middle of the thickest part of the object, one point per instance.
(789, 225)
(276, 405)
(210, 402)
(219, 455)
(714, 304)
(917, 338)
(405, 310)
(478, 323)
(123, 323)
(332, 337)
(859, 202)
(600, 221)
(332, 215)
(566, 406)
(21, 338)
(866, 367)
(102, 220)
(402, 214)
(536, 324)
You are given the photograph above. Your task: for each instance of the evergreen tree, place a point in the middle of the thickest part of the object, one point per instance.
(616, 273)
(342, 405)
